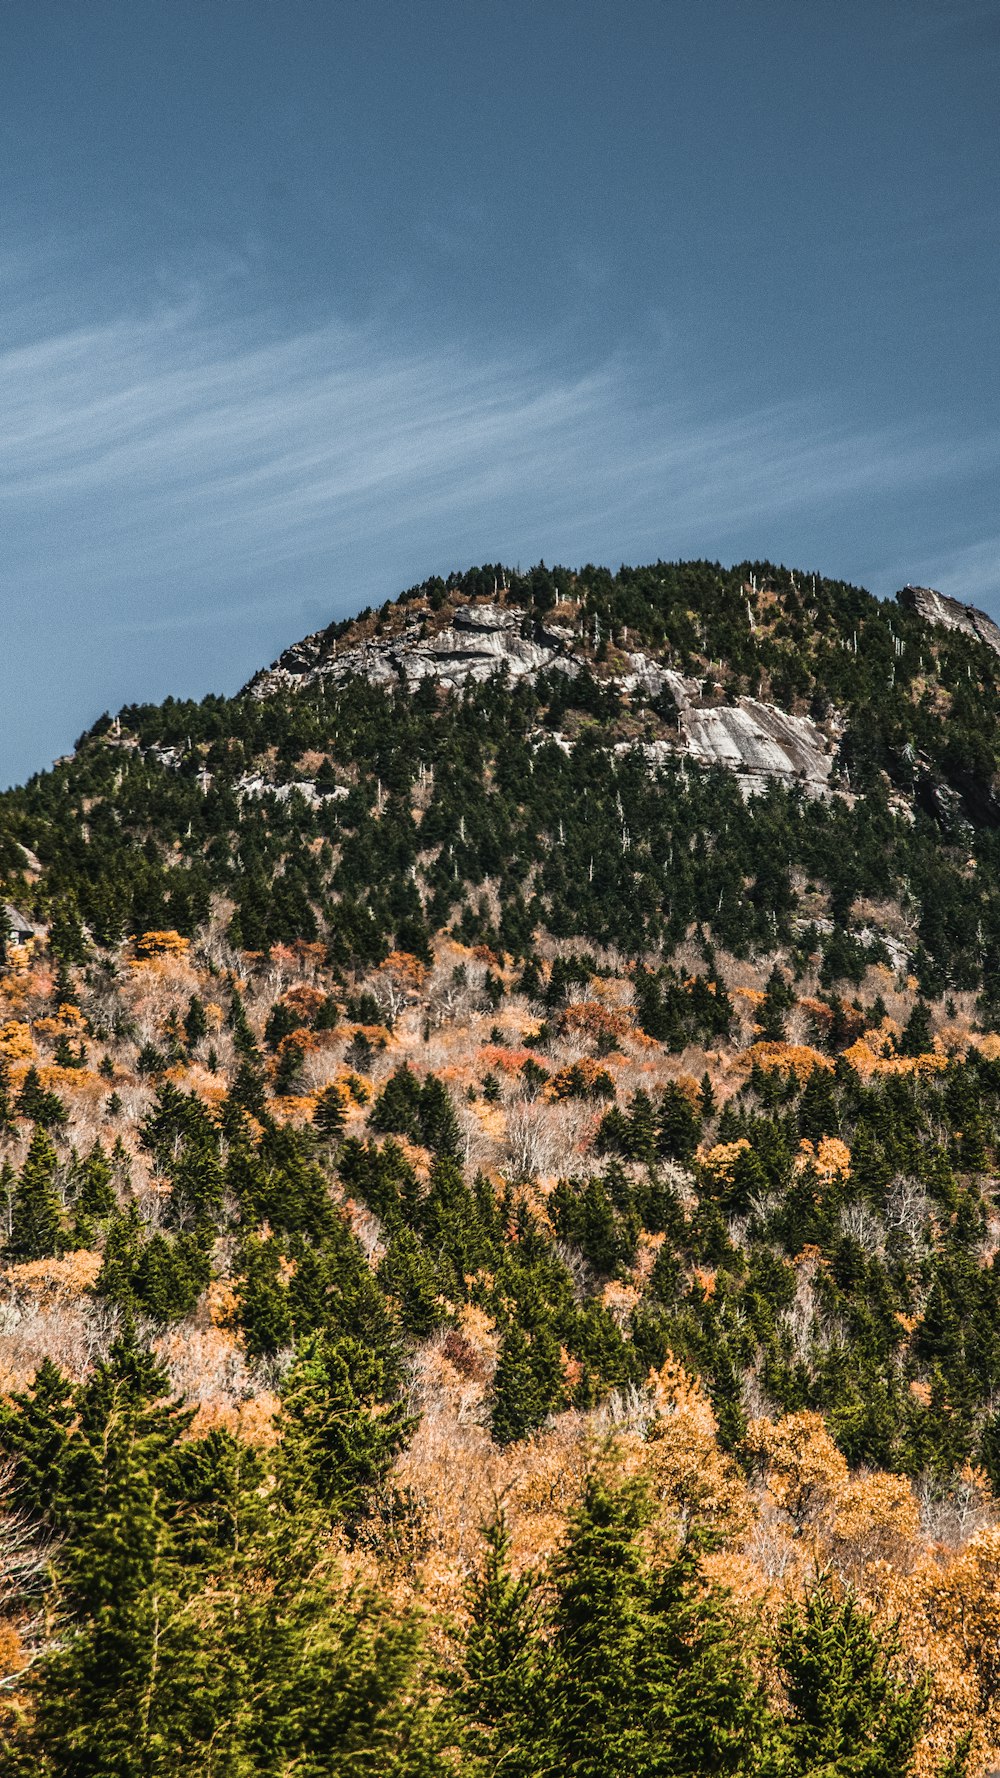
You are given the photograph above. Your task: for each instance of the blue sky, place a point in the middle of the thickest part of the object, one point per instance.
(302, 302)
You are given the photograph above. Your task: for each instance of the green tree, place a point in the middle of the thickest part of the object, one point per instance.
(330, 1115)
(527, 1383)
(851, 1714)
(204, 1631)
(610, 1662)
(37, 1220)
(195, 1022)
(44, 1108)
(343, 1424)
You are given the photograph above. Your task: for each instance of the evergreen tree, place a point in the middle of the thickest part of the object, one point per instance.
(849, 1711)
(778, 997)
(244, 1040)
(204, 1630)
(330, 1114)
(8, 1122)
(195, 1022)
(917, 1036)
(343, 1425)
(615, 1665)
(527, 1384)
(505, 1664)
(45, 1109)
(96, 1196)
(37, 1223)
(678, 1126)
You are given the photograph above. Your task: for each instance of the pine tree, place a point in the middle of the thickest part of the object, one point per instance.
(648, 1675)
(849, 1711)
(778, 997)
(916, 1039)
(608, 1663)
(44, 1108)
(438, 1123)
(96, 1196)
(505, 1667)
(195, 1022)
(8, 1122)
(244, 1041)
(678, 1126)
(37, 1221)
(342, 1426)
(288, 1073)
(330, 1114)
(97, 1694)
(247, 1090)
(527, 1384)
(642, 1127)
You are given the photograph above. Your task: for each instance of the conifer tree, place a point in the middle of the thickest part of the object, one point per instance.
(527, 1383)
(195, 1022)
(96, 1196)
(678, 1126)
(342, 1426)
(642, 1127)
(204, 1631)
(505, 1664)
(330, 1115)
(44, 1108)
(608, 1663)
(244, 1040)
(37, 1221)
(849, 1711)
(916, 1039)
(8, 1122)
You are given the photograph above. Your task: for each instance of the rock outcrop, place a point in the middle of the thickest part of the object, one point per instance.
(479, 640)
(951, 614)
(758, 741)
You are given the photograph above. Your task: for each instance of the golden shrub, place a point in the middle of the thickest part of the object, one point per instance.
(830, 1158)
(16, 1042)
(788, 1058)
(803, 1470)
(161, 944)
(720, 1160)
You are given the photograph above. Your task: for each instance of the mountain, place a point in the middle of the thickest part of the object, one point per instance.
(553, 1007)
(531, 738)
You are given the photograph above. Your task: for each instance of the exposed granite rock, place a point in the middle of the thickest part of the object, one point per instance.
(759, 742)
(480, 640)
(951, 614)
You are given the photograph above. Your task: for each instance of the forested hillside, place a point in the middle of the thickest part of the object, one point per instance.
(500, 1216)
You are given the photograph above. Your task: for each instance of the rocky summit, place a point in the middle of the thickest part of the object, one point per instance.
(470, 639)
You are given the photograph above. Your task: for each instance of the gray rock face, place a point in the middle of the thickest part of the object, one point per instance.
(951, 614)
(759, 742)
(481, 640)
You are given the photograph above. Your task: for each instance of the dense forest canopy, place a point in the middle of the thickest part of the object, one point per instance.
(499, 1220)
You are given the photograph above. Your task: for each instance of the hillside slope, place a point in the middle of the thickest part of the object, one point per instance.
(550, 1007)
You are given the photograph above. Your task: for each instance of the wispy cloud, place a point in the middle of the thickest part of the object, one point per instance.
(185, 489)
(178, 441)
(969, 571)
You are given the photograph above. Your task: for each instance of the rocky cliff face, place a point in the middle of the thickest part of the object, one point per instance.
(758, 741)
(478, 641)
(950, 614)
